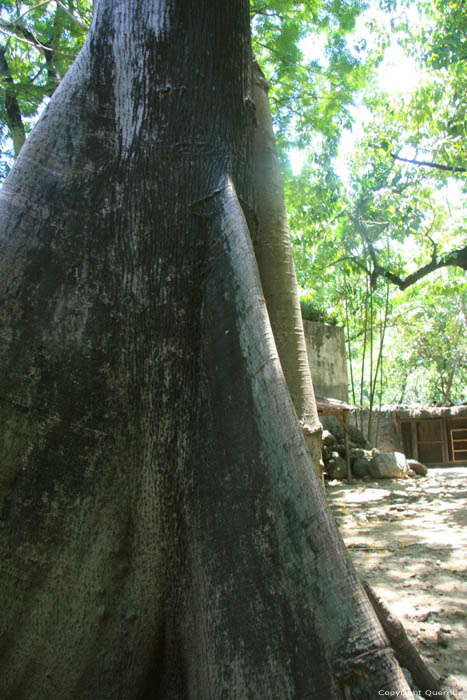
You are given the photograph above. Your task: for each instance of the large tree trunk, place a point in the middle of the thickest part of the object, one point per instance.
(273, 250)
(163, 534)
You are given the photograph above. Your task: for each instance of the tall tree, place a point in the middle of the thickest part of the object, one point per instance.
(274, 255)
(163, 532)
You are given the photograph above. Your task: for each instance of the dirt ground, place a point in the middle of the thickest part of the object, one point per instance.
(408, 538)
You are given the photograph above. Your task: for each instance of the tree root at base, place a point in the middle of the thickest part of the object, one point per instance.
(406, 653)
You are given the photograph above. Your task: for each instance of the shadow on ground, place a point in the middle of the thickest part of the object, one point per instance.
(408, 539)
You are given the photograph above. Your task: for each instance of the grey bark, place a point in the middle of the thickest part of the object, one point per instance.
(163, 534)
(273, 251)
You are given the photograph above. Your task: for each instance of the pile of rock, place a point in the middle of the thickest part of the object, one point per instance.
(365, 460)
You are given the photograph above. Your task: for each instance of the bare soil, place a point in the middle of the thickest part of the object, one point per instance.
(408, 538)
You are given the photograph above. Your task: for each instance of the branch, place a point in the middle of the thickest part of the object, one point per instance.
(456, 258)
(353, 259)
(37, 44)
(12, 31)
(72, 16)
(428, 164)
(74, 19)
(31, 9)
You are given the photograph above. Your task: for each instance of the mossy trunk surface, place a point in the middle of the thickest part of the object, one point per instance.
(163, 534)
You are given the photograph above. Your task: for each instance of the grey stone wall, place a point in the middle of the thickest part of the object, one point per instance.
(325, 346)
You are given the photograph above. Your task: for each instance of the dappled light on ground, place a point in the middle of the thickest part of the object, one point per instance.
(408, 538)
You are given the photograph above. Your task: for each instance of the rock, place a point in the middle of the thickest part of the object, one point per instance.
(357, 453)
(340, 448)
(442, 640)
(417, 467)
(360, 518)
(424, 617)
(337, 467)
(357, 437)
(388, 465)
(360, 467)
(328, 439)
(360, 453)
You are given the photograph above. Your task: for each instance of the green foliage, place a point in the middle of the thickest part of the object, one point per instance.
(393, 221)
(429, 358)
(38, 42)
(310, 312)
(310, 94)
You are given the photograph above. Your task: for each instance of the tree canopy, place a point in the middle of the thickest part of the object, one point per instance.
(395, 221)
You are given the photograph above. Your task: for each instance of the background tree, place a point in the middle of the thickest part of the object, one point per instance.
(274, 256)
(428, 362)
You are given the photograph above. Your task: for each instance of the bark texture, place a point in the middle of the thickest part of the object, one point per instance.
(273, 250)
(163, 535)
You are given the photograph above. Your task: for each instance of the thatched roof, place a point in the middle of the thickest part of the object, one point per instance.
(332, 407)
(416, 412)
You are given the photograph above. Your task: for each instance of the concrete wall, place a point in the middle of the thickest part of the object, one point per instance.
(325, 346)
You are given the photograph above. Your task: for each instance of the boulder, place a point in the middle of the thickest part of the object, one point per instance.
(357, 453)
(357, 437)
(337, 467)
(328, 439)
(340, 448)
(360, 466)
(388, 465)
(360, 453)
(417, 467)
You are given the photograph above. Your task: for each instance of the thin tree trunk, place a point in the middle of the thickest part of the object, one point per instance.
(163, 534)
(365, 334)
(453, 370)
(380, 403)
(13, 113)
(379, 364)
(349, 348)
(274, 256)
(372, 385)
